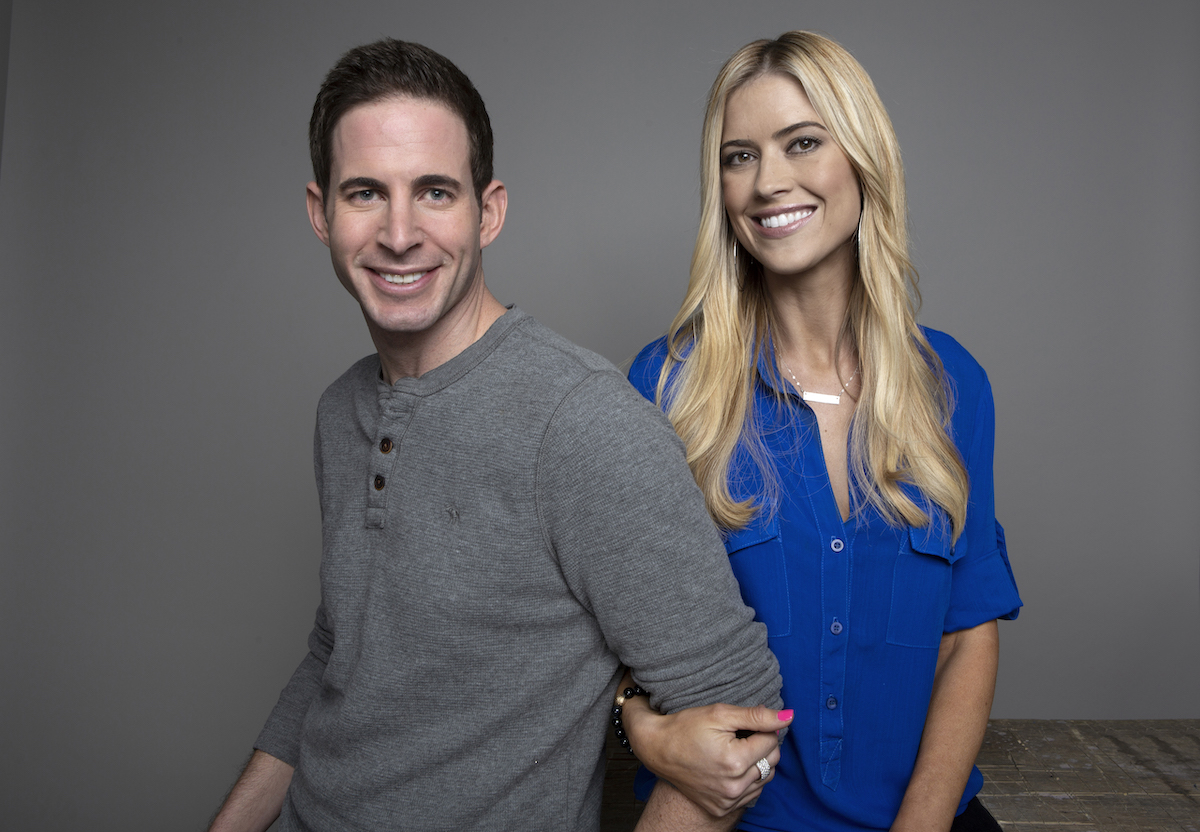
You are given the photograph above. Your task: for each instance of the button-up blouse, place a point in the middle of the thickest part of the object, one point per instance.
(855, 610)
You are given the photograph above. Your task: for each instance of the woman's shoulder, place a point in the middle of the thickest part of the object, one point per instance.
(961, 367)
(645, 370)
(968, 388)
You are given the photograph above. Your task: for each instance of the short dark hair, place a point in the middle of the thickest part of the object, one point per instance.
(392, 68)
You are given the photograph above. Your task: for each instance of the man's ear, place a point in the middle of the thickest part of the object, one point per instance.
(316, 211)
(493, 204)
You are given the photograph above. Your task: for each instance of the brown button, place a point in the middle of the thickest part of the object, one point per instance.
(386, 445)
(379, 482)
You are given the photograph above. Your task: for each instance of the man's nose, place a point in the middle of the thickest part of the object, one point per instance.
(400, 229)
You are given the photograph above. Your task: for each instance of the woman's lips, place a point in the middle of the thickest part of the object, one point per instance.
(782, 223)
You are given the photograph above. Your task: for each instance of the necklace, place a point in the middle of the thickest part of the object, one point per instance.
(820, 398)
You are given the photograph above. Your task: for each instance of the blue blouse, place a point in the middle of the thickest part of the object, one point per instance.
(855, 610)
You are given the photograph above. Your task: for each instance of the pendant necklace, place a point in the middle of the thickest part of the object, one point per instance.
(820, 398)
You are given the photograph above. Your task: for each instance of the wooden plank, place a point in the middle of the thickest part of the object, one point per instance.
(1093, 776)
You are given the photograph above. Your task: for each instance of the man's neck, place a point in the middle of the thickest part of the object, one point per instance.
(413, 354)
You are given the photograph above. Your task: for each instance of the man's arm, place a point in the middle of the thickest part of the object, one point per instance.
(698, 750)
(628, 525)
(963, 686)
(256, 798)
(669, 811)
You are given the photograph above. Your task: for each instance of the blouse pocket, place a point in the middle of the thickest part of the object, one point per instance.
(921, 586)
(756, 557)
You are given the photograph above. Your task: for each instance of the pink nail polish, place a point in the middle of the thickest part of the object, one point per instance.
(784, 716)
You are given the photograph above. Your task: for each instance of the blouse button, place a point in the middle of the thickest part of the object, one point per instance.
(835, 627)
(837, 545)
(831, 703)
(379, 482)
(386, 445)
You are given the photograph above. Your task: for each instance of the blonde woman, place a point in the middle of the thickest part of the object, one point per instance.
(845, 451)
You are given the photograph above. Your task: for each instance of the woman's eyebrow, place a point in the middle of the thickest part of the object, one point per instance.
(779, 134)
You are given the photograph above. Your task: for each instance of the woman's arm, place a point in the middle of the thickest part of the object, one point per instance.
(698, 751)
(963, 685)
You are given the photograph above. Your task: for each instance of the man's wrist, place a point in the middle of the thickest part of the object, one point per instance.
(624, 695)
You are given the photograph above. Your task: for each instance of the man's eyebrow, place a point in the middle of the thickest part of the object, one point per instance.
(429, 180)
(363, 182)
(437, 180)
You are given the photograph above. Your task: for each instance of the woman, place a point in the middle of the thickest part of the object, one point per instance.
(845, 451)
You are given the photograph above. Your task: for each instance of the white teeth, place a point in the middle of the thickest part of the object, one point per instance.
(403, 279)
(783, 219)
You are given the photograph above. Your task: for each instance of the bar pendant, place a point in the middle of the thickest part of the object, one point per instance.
(821, 398)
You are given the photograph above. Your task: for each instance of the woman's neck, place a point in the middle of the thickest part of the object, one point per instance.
(809, 313)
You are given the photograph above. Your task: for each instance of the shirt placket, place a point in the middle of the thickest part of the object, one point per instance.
(396, 411)
(835, 552)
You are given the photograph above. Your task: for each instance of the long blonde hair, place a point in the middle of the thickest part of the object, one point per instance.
(899, 431)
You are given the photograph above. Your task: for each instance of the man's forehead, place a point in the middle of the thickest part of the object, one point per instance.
(400, 121)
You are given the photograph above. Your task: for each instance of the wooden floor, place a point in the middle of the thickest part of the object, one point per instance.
(1092, 776)
(1050, 776)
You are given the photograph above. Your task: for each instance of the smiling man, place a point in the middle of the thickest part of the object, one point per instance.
(505, 521)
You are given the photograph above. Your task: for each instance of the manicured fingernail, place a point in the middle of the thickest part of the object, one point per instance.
(784, 716)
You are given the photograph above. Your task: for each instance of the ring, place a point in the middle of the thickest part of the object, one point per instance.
(764, 769)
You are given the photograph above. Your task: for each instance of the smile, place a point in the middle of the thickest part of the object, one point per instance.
(780, 220)
(402, 279)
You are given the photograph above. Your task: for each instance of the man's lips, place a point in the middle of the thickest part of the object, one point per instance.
(402, 279)
(406, 278)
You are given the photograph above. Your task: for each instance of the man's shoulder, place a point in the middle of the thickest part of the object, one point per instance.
(533, 341)
(360, 379)
(574, 383)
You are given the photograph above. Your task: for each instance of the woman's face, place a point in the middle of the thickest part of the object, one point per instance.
(790, 192)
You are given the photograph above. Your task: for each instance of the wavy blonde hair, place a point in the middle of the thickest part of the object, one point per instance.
(899, 433)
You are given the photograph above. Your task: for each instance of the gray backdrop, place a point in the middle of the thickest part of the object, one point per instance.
(168, 320)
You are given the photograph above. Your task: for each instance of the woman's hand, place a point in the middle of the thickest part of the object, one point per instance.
(697, 750)
(963, 685)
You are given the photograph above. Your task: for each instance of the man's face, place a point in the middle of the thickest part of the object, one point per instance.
(401, 220)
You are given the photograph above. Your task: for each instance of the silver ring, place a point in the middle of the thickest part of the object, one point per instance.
(764, 769)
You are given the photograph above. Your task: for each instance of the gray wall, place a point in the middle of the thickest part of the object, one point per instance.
(167, 321)
(5, 21)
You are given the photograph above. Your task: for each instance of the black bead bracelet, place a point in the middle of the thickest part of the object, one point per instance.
(618, 705)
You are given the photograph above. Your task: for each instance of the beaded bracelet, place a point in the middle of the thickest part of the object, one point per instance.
(618, 705)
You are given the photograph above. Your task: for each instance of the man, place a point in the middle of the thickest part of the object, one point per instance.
(505, 521)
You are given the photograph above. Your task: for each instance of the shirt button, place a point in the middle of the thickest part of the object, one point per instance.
(386, 445)
(379, 482)
(835, 627)
(831, 703)
(837, 545)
